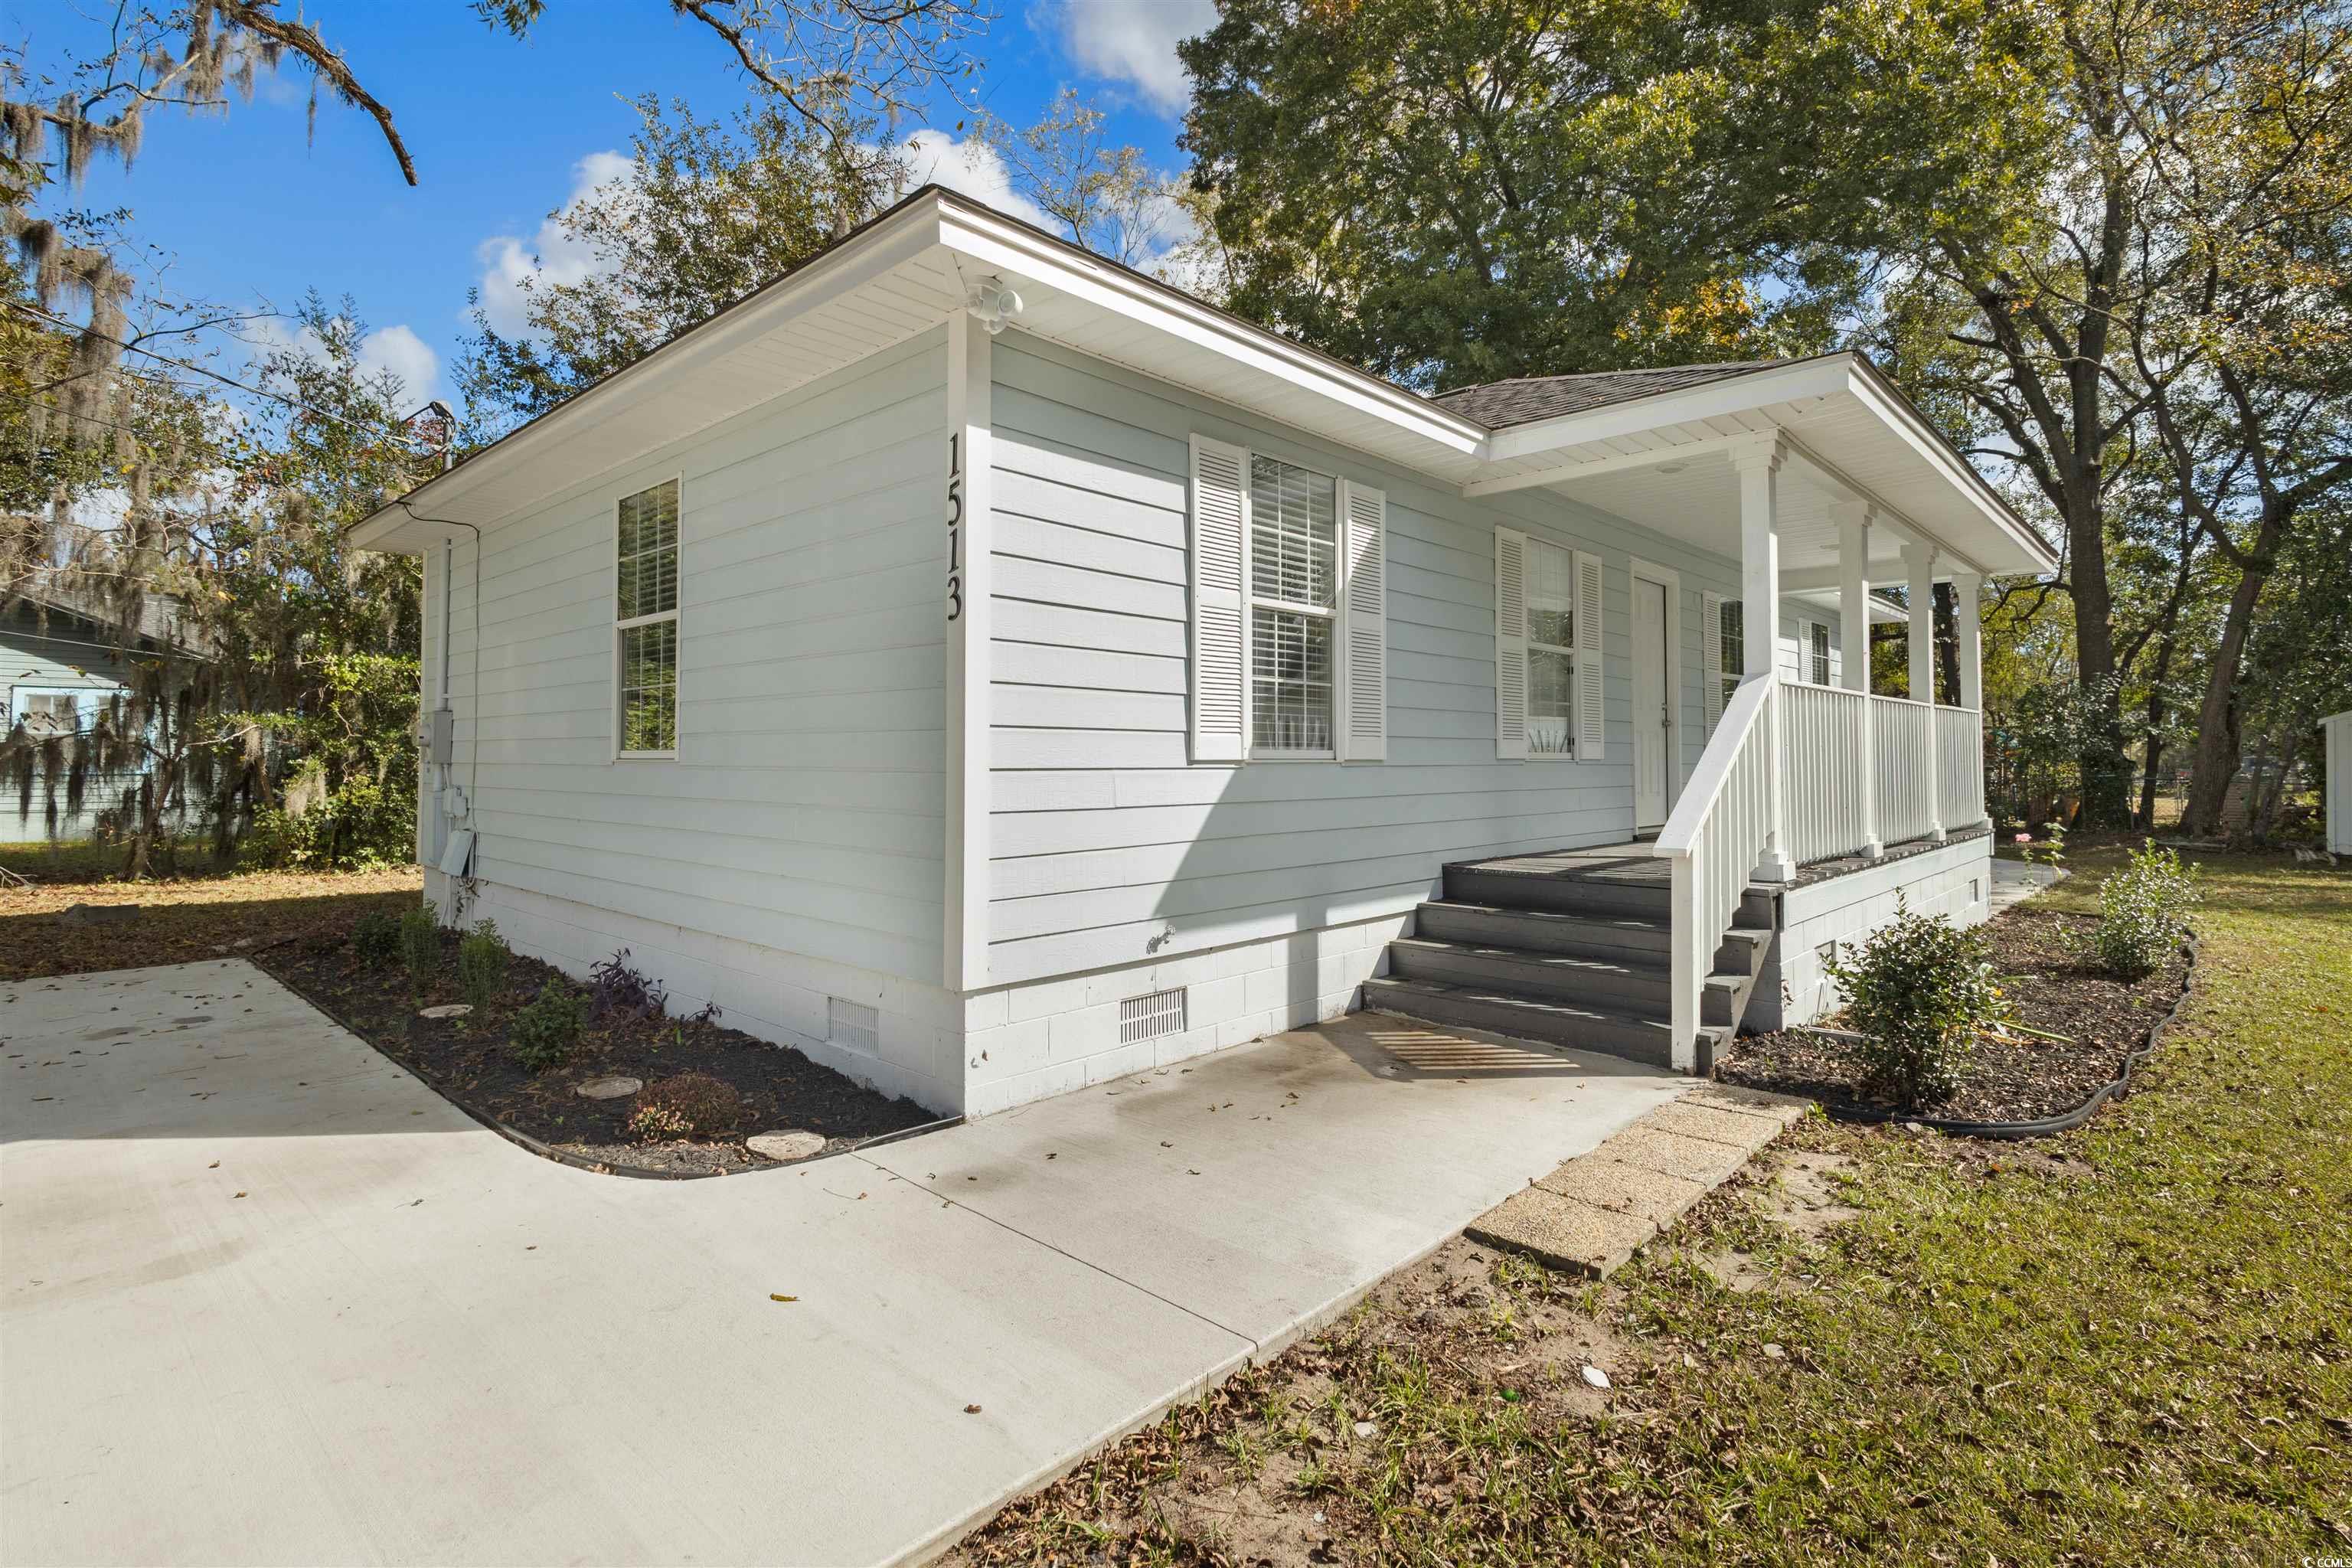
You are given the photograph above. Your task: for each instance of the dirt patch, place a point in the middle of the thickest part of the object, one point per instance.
(2015, 1075)
(469, 1059)
(51, 928)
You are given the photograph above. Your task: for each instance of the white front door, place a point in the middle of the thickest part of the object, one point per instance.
(1652, 715)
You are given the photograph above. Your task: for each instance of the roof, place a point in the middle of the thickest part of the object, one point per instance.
(915, 268)
(1499, 405)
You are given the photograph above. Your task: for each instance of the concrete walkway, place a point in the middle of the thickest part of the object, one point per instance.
(2014, 881)
(264, 1298)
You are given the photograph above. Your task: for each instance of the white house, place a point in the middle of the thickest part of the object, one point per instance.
(993, 671)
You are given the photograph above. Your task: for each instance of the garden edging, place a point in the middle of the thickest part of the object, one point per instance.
(524, 1140)
(2042, 1127)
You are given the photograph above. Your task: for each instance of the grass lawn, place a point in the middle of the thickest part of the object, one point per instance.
(2129, 1345)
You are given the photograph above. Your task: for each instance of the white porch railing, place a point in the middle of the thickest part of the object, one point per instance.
(1959, 768)
(1827, 769)
(1715, 836)
(1906, 735)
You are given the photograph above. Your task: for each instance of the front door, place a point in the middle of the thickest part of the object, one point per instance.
(1653, 715)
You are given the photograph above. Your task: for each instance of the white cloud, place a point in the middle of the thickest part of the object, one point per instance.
(1134, 41)
(551, 253)
(974, 168)
(395, 348)
(404, 355)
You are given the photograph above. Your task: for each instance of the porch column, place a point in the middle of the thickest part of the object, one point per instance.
(1919, 561)
(1854, 520)
(1966, 626)
(1757, 465)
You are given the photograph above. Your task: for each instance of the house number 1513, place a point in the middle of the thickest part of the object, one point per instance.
(955, 525)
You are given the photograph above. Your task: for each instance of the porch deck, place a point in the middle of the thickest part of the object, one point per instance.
(1635, 865)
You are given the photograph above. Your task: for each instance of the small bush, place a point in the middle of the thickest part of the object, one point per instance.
(2143, 912)
(689, 1102)
(1918, 991)
(420, 944)
(376, 938)
(615, 987)
(656, 1124)
(546, 1030)
(482, 955)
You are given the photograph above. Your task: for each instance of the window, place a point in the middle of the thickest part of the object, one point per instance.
(1551, 650)
(1818, 647)
(1731, 618)
(1293, 592)
(645, 622)
(48, 713)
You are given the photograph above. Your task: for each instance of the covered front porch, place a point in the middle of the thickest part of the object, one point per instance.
(1816, 475)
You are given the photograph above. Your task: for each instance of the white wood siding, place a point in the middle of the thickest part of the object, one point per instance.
(1106, 839)
(805, 808)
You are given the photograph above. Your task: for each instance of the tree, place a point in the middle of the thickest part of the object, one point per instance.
(1106, 198)
(833, 65)
(704, 217)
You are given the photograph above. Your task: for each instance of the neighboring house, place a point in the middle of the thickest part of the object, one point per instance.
(63, 669)
(993, 671)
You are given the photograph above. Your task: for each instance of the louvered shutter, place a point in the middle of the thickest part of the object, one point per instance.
(1364, 670)
(1590, 731)
(1220, 613)
(1510, 644)
(1711, 636)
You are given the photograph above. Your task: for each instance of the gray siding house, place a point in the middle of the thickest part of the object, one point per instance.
(993, 671)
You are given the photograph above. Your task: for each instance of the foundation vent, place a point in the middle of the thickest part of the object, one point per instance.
(853, 1023)
(1152, 1017)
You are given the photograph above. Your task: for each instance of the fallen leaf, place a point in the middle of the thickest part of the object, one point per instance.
(236, 1195)
(971, 1410)
(773, 1297)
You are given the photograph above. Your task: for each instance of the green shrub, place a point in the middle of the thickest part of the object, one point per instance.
(420, 944)
(376, 938)
(482, 955)
(1917, 992)
(547, 1031)
(687, 1102)
(2143, 912)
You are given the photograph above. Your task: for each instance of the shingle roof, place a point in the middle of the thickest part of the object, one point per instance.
(1499, 405)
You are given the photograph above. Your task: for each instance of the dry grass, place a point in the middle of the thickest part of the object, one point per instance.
(2132, 1344)
(177, 920)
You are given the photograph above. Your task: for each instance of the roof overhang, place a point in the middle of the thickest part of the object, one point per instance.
(1661, 461)
(1849, 441)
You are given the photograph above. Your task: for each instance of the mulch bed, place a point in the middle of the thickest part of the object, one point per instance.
(2012, 1077)
(467, 1061)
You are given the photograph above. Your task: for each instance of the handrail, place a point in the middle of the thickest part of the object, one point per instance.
(1696, 803)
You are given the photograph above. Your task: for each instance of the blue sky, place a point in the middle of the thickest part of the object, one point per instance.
(244, 212)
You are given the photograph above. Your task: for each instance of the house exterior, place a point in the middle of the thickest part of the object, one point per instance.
(62, 671)
(993, 671)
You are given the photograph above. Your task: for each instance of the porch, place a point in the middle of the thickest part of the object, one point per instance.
(1815, 475)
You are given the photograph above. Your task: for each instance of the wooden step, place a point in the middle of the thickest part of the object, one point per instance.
(1627, 939)
(1471, 882)
(1643, 985)
(1635, 1036)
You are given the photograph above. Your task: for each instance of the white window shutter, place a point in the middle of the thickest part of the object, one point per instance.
(1510, 644)
(1364, 668)
(1220, 611)
(1711, 636)
(1591, 730)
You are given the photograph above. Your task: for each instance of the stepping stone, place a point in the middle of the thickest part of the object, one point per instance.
(611, 1088)
(785, 1145)
(448, 1010)
(1562, 1232)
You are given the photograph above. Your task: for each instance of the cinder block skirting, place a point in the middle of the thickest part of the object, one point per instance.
(1595, 1211)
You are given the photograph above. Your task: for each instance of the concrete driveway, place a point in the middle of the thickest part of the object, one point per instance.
(265, 1297)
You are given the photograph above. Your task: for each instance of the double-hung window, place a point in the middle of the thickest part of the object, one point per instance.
(644, 621)
(1817, 648)
(1551, 650)
(1293, 603)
